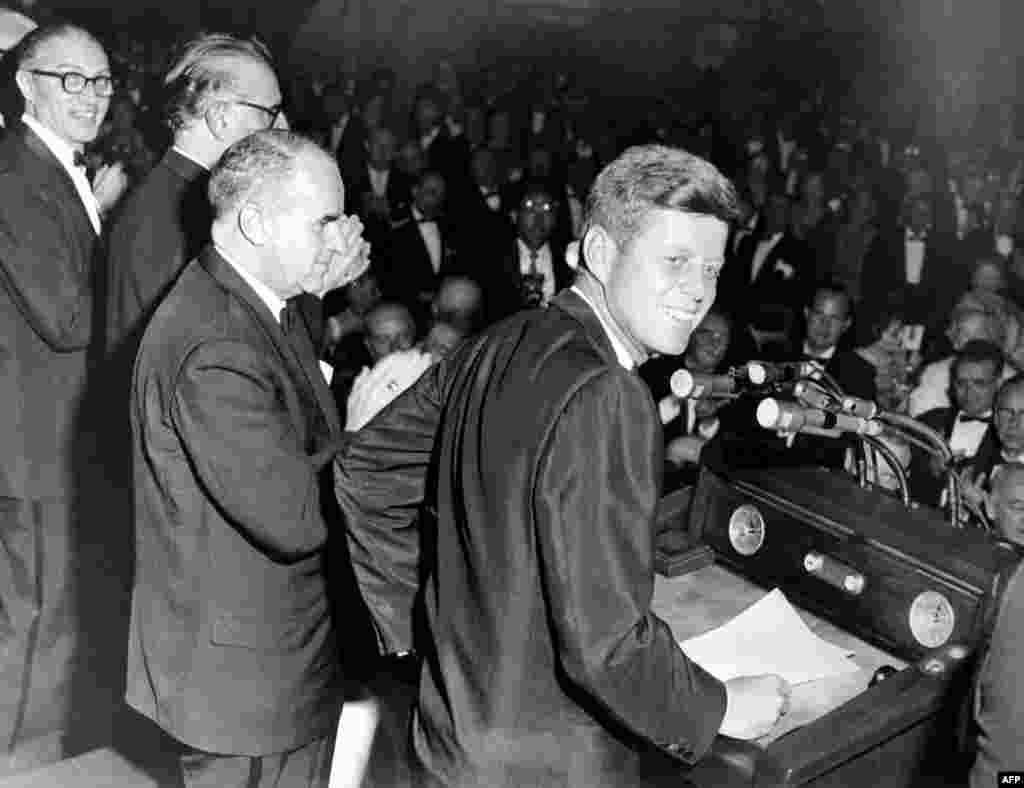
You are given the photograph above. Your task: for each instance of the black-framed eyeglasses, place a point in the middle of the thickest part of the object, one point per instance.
(273, 111)
(74, 83)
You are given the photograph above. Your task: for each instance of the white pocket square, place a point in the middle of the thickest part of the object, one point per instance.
(784, 268)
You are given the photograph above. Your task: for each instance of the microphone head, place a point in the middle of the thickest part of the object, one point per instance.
(681, 383)
(756, 373)
(769, 413)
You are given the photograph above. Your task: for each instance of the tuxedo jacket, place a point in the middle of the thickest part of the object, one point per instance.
(780, 286)
(543, 663)
(405, 269)
(927, 488)
(230, 647)
(162, 224)
(943, 279)
(500, 278)
(49, 255)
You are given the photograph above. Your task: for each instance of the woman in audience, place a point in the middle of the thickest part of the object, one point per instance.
(893, 363)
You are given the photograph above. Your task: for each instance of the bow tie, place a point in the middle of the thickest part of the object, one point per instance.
(962, 419)
(912, 236)
(79, 159)
(426, 221)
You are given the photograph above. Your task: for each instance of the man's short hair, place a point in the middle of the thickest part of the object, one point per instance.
(28, 48)
(257, 168)
(646, 177)
(201, 73)
(835, 290)
(978, 351)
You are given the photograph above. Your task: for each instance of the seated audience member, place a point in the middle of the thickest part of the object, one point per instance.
(965, 425)
(388, 328)
(485, 208)
(885, 352)
(1005, 502)
(999, 691)
(419, 251)
(828, 317)
(459, 303)
(380, 193)
(441, 339)
(346, 310)
(993, 301)
(932, 389)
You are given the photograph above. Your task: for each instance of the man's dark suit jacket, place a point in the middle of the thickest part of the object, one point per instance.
(231, 649)
(943, 280)
(541, 457)
(773, 299)
(405, 269)
(163, 224)
(927, 488)
(501, 279)
(48, 251)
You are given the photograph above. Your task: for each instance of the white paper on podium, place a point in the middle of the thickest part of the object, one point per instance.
(768, 637)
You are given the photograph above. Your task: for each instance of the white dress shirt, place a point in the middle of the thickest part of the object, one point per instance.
(266, 295)
(431, 235)
(764, 248)
(621, 352)
(914, 258)
(379, 181)
(544, 267)
(824, 355)
(968, 435)
(66, 156)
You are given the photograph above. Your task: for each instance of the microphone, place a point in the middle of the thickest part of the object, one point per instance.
(864, 408)
(764, 373)
(788, 417)
(812, 396)
(695, 385)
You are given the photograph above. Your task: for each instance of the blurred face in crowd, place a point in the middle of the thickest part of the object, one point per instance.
(812, 190)
(968, 326)
(974, 386)
(74, 117)
(988, 276)
(891, 338)
(919, 216)
(827, 318)
(1006, 503)
(535, 220)
(305, 228)
(660, 283)
(539, 163)
(363, 294)
(484, 168)
(428, 115)
(389, 328)
(428, 195)
(380, 149)
(441, 340)
(373, 111)
(709, 344)
(410, 159)
(1009, 418)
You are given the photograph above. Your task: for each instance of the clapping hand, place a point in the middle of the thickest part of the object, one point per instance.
(108, 184)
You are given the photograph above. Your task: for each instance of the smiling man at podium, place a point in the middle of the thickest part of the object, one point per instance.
(539, 452)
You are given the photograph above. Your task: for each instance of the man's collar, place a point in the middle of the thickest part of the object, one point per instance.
(266, 295)
(591, 291)
(60, 148)
(962, 418)
(186, 155)
(524, 249)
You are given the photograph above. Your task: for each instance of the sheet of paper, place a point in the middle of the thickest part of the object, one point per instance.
(768, 637)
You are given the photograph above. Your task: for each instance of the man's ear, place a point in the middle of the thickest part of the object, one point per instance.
(24, 84)
(600, 252)
(252, 225)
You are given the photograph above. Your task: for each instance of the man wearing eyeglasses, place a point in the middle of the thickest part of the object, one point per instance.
(49, 230)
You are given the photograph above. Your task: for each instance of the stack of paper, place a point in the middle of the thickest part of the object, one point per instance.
(768, 637)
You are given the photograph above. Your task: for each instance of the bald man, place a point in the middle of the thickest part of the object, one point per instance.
(459, 302)
(389, 328)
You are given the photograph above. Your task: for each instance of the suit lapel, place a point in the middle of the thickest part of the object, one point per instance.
(573, 303)
(52, 172)
(300, 343)
(224, 273)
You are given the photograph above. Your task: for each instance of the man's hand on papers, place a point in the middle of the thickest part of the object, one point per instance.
(753, 705)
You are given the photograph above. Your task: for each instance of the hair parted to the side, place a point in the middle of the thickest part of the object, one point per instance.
(646, 177)
(26, 50)
(201, 72)
(257, 168)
